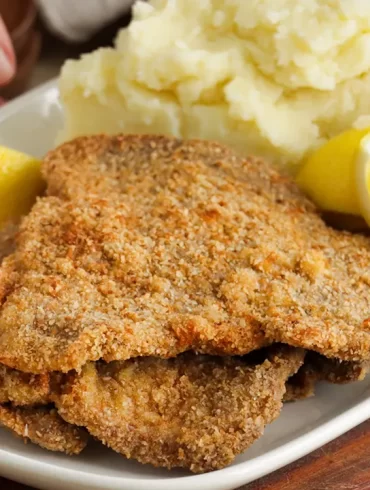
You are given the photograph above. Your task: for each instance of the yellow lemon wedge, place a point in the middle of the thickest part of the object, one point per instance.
(20, 183)
(329, 175)
(363, 177)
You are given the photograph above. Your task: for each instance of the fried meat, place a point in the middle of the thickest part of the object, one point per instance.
(195, 412)
(44, 427)
(149, 246)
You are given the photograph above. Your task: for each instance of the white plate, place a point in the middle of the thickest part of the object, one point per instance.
(30, 124)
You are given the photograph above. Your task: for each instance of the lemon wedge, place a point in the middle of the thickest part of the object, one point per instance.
(329, 175)
(363, 177)
(20, 183)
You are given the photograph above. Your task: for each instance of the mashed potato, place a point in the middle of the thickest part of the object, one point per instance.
(268, 77)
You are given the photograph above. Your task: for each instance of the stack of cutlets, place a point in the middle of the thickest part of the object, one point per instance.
(163, 296)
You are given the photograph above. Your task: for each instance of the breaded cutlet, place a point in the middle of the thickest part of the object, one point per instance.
(150, 246)
(192, 411)
(44, 427)
(16, 387)
(319, 368)
(21, 388)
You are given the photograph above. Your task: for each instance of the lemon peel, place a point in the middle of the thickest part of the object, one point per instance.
(20, 183)
(328, 176)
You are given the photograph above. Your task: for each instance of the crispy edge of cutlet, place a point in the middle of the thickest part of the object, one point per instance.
(43, 426)
(21, 388)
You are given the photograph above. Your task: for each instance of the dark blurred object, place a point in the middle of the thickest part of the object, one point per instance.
(348, 222)
(20, 19)
(53, 46)
(27, 29)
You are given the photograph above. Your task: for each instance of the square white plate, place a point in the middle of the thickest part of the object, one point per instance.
(30, 124)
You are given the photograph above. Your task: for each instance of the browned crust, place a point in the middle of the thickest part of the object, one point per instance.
(17, 387)
(152, 246)
(44, 427)
(195, 412)
(24, 388)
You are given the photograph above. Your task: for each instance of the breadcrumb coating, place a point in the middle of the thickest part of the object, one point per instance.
(150, 246)
(21, 388)
(195, 412)
(7, 239)
(17, 387)
(44, 427)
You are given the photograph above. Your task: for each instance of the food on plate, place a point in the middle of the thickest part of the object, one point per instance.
(274, 81)
(150, 246)
(21, 388)
(195, 412)
(20, 183)
(44, 427)
(363, 177)
(25, 403)
(329, 174)
(319, 368)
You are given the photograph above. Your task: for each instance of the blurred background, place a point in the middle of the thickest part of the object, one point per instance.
(43, 37)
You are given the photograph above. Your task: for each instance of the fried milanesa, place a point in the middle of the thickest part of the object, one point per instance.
(195, 412)
(23, 388)
(43, 426)
(17, 387)
(153, 246)
(318, 368)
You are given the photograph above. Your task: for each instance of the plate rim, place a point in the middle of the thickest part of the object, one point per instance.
(12, 106)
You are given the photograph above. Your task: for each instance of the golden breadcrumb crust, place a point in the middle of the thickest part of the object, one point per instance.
(24, 388)
(195, 412)
(17, 387)
(149, 246)
(43, 426)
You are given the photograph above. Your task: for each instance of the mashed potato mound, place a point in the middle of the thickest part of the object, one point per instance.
(270, 77)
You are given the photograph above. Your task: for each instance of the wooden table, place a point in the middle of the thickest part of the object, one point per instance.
(343, 464)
